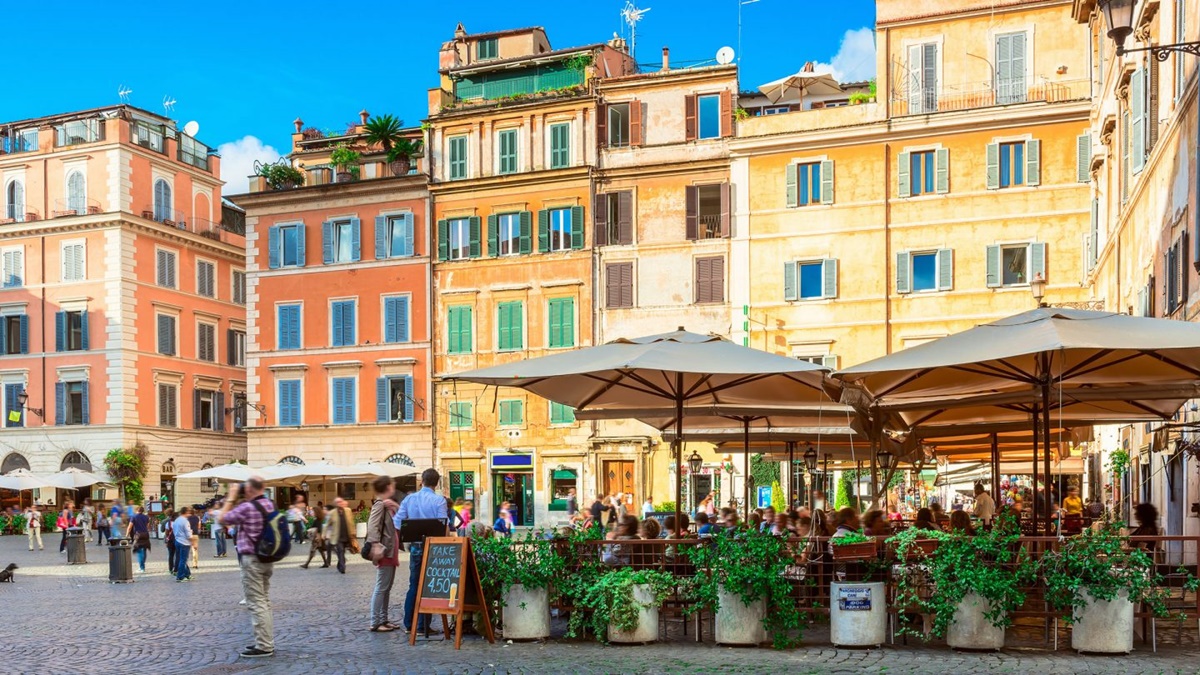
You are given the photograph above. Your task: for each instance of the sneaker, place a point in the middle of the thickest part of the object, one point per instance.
(255, 652)
(242, 601)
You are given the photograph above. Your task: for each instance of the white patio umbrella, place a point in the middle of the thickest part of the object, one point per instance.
(74, 479)
(23, 479)
(391, 469)
(800, 85)
(234, 472)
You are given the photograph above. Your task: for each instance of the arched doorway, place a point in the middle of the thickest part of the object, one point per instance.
(12, 462)
(75, 460)
(404, 484)
(292, 459)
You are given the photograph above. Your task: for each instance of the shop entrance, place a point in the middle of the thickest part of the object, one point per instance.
(618, 477)
(517, 489)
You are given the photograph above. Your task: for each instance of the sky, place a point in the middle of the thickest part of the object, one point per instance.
(244, 70)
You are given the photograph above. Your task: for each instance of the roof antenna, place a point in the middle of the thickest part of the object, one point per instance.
(632, 15)
(169, 104)
(123, 93)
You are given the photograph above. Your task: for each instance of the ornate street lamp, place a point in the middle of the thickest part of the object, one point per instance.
(1038, 288)
(1118, 14)
(23, 398)
(810, 459)
(695, 462)
(885, 460)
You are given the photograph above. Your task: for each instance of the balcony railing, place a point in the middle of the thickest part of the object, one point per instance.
(24, 140)
(24, 214)
(78, 131)
(193, 152)
(710, 227)
(196, 225)
(64, 208)
(924, 101)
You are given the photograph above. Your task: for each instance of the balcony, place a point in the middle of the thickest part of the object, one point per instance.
(149, 136)
(520, 83)
(925, 101)
(24, 140)
(77, 132)
(204, 227)
(65, 208)
(193, 152)
(19, 214)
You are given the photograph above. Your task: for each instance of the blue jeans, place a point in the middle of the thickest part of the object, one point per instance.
(141, 556)
(220, 544)
(414, 579)
(183, 553)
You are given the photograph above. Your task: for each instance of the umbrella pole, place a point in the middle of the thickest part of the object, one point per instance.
(746, 468)
(791, 478)
(995, 469)
(1046, 444)
(1036, 515)
(678, 452)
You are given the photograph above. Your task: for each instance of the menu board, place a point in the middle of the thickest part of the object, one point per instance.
(449, 586)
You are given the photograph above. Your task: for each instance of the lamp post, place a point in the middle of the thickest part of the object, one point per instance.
(695, 462)
(810, 463)
(1118, 14)
(23, 398)
(1038, 288)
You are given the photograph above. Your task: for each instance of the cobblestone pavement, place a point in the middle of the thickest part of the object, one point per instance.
(158, 626)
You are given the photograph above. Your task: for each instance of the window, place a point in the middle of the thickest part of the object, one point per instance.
(343, 400)
(235, 347)
(458, 157)
(288, 326)
(342, 323)
(286, 246)
(206, 283)
(810, 183)
(560, 229)
(206, 342)
(340, 241)
(561, 414)
(147, 135)
(506, 143)
(1175, 268)
(823, 360)
(920, 173)
(1137, 120)
(239, 410)
(394, 236)
(458, 329)
(12, 404)
(560, 146)
(166, 334)
(71, 402)
(14, 333)
(486, 49)
(618, 125)
(71, 331)
(923, 172)
(79, 131)
(208, 410)
(918, 271)
(618, 285)
(14, 267)
(74, 259)
(614, 218)
(76, 193)
(1015, 264)
(922, 78)
(168, 405)
(562, 322)
(461, 415)
(193, 152)
(508, 234)
(461, 238)
(289, 403)
(395, 319)
(14, 201)
(510, 326)
(709, 108)
(1010, 68)
(810, 280)
(394, 399)
(162, 201)
(165, 263)
(707, 214)
(710, 280)
(1013, 163)
(512, 413)
(238, 283)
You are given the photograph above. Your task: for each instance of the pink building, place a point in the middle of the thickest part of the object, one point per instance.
(122, 298)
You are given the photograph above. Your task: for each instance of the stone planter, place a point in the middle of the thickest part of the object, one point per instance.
(1104, 626)
(360, 530)
(647, 628)
(738, 623)
(401, 166)
(857, 614)
(970, 629)
(344, 176)
(526, 613)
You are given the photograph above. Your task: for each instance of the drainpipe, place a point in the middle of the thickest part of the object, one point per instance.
(888, 272)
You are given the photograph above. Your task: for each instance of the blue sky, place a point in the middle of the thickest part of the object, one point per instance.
(244, 70)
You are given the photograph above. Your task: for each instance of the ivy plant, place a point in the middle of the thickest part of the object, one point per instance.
(604, 597)
(532, 561)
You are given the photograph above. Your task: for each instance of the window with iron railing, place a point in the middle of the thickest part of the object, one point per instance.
(193, 152)
(78, 131)
(147, 135)
(23, 140)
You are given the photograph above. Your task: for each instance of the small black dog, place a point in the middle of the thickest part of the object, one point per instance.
(6, 574)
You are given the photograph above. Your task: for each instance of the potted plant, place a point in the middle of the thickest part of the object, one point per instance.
(401, 154)
(854, 546)
(619, 605)
(345, 163)
(279, 175)
(518, 575)
(360, 523)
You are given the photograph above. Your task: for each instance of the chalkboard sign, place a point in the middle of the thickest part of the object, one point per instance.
(449, 586)
(442, 568)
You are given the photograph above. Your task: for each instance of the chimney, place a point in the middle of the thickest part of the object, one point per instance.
(299, 124)
(666, 59)
(363, 115)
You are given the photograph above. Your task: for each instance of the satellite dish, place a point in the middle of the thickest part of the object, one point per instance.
(191, 128)
(725, 56)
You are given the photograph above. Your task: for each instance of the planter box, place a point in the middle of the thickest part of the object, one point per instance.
(738, 623)
(1104, 626)
(526, 613)
(857, 614)
(647, 628)
(970, 629)
(360, 530)
(847, 552)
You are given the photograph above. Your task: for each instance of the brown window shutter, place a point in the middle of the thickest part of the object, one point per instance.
(692, 196)
(627, 285)
(635, 122)
(726, 113)
(689, 116)
(725, 209)
(625, 217)
(701, 280)
(716, 280)
(600, 219)
(1152, 109)
(601, 125)
(612, 285)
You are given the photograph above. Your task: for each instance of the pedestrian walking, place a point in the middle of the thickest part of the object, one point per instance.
(295, 517)
(102, 528)
(182, 529)
(169, 540)
(319, 545)
(221, 533)
(87, 520)
(341, 532)
(249, 516)
(572, 503)
(66, 519)
(118, 525)
(33, 527)
(422, 504)
(139, 531)
(382, 546)
(194, 541)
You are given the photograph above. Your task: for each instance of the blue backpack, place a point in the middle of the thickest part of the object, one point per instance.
(274, 543)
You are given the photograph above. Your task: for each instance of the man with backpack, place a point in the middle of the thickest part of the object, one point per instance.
(262, 540)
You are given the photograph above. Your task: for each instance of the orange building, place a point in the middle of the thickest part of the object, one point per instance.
(112, 222)
(338, 315)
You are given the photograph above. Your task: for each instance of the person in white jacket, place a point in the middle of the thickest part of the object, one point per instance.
(33, 527)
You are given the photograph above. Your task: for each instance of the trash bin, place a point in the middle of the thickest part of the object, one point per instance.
(76, 550)
(120, 561)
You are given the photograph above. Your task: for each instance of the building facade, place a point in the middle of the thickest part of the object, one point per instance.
(122, 299)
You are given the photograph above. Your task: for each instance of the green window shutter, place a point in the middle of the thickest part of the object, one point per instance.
(526, 243)
(903, 166)
(561, 414)
(1037, 260)
(945, 264)
(473, 223)
(903, 272)
(829, 273)
(516, 322)
(827, 181)
(543, 231)
(1083, 158)
(443, 228)
(993, 166)
(503, 334)
(994, 278)
(943, 170)
(576, 227)
(566, 322)
(1137, 121)
(493, 235)
(790, 281)
(1033, 162)
(791, 190)
(459, 330)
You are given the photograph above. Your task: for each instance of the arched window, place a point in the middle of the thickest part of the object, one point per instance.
(292, 459)
(76, 460)
(162, 200)
(14, 201)
(12, 462)
(400, 458)
(76, 193)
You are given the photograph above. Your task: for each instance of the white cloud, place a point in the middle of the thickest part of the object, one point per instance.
(855, 59)
(237, 162)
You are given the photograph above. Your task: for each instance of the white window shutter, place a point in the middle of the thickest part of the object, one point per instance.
(1037, 260)
(1083, 158)
(942, 171)
(1033, 162)
(993, 166)
(903, 166)
(945, 264)
(791, 283)
(829, 275)
(994, 278)
(903, 272)
(827, 181)
(791, 191)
